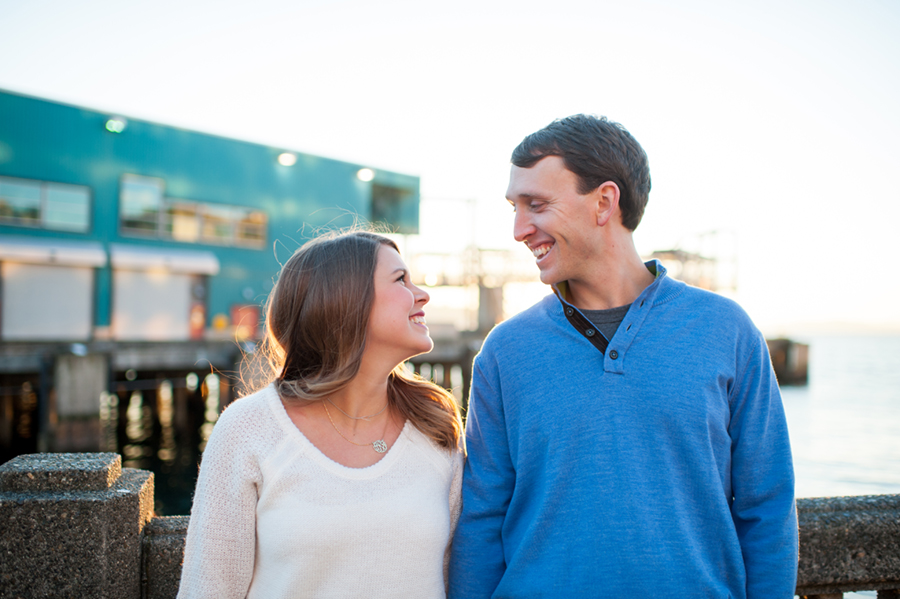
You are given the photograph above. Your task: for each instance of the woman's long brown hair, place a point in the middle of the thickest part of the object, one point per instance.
(316, 321)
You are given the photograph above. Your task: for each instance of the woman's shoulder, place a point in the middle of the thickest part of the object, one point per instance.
(249, 415)
(442, 457)
(252, 403)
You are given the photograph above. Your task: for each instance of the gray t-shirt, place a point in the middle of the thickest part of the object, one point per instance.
(607, 321)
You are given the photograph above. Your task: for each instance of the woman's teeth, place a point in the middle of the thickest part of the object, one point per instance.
(418, 319)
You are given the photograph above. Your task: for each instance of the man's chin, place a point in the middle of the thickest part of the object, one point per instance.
(549, 278)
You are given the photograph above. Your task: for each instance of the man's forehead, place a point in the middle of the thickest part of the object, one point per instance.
(535, 181)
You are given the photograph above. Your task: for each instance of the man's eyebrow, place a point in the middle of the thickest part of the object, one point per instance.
(527, 196)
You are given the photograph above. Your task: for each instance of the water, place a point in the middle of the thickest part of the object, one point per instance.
(844, 424)
(160, 422)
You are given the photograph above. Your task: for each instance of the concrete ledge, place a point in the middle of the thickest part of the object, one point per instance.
(43, 472)
(162, 555)
(849, 544)
(78, 525)
(59, 542)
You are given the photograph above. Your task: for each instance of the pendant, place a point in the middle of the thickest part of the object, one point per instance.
(380, 446)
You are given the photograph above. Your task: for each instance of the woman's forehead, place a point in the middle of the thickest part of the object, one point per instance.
(389, 259)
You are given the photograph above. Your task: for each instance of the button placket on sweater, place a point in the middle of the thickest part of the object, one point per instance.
(614, 358)
(581, 324)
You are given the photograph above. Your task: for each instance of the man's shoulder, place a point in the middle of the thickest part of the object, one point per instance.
(714, 306)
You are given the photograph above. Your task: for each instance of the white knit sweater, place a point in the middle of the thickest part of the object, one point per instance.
(274, 517)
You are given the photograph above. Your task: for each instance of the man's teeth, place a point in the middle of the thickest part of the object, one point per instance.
(541, 250)
(418, 319)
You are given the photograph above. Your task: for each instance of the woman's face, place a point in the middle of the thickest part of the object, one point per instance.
(397, 321)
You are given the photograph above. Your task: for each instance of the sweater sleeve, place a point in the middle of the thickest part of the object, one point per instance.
(762, 474)
(455, 506)
(477, 559)
(221, 539)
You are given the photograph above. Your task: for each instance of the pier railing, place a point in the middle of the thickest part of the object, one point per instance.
(79, 525)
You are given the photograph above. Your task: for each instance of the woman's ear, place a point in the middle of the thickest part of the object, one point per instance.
(606, 198)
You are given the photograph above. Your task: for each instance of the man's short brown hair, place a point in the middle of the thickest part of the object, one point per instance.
(597, 150)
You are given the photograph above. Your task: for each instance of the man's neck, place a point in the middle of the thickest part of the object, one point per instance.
(615, 282)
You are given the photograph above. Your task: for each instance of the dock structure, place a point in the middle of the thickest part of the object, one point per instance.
(134, 253)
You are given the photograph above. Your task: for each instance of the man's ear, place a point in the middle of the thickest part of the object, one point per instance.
(607, 202)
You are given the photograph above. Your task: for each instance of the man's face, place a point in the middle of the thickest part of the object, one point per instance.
(554, 220)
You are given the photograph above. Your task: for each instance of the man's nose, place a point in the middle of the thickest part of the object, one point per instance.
(522, 226)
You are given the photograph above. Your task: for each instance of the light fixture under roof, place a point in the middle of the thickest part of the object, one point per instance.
(116, 124)
(365, 174)
(287, 159)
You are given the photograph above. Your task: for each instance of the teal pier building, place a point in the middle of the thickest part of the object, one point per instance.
(134, 262)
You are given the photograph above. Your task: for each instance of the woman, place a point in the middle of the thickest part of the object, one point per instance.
(341, 478)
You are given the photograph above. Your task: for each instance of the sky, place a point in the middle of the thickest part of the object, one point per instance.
(774, 123)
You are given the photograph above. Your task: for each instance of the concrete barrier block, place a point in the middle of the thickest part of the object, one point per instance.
(849, 544)
(70, 526)
(163, 554)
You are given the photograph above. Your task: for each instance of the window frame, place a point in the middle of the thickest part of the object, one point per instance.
(44, 187)
(230, 215)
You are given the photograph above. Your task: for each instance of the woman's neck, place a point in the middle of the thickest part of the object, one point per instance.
(364, 395)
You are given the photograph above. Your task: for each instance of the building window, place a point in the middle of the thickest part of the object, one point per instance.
(218, 224)
(45, 205)
(182, 221)
(396, 207)
(146, 212)
(251, 227)
(140, 203)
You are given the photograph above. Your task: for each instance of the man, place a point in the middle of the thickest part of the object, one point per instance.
(625, 435)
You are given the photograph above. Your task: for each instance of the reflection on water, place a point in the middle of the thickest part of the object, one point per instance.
(211, 414)
(18, 415)
(27, 407)
(161, 422)
(167, 448)
(109, 415)
(138, 428)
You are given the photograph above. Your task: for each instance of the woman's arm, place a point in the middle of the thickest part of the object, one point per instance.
(221, 541)
(455, 507)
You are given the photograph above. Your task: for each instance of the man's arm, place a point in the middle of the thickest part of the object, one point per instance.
(477, 561)
(762, 475)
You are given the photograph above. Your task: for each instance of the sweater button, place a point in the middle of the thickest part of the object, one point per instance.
(589, 332)
(613, 354)
(569, 311)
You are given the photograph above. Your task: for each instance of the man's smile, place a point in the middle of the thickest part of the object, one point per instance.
(541, 250)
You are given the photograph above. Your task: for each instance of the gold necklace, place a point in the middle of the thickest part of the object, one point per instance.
(369, 417)
(378, 445)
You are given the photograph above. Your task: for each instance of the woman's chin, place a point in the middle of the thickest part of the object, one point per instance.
(424, 348)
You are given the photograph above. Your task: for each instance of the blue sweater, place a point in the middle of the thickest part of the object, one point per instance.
(665, 471)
